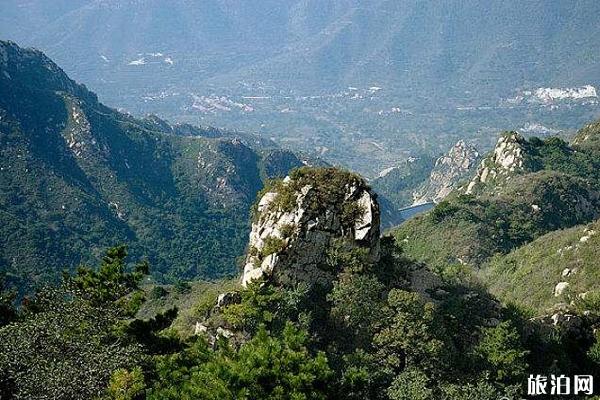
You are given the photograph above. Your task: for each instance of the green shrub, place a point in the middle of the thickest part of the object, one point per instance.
(271, 245)
(127, 385)
(157, 292)
(182, 287)
(411, 384)
(287, 230)
(500, 348)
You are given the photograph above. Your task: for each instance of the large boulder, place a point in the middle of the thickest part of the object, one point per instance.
(298, 218)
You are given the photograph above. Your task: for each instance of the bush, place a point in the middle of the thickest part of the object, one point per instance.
(67, 349)
(501, 350)
(126, 385)
(182, 287)
(411, 384)
(157, 292)
(442, 211)
(268, 367)
(271, 245)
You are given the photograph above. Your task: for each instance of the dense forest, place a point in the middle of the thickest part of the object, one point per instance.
(77, 177)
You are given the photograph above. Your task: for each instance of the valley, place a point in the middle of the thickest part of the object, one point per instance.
(299, 200)
(418, 78)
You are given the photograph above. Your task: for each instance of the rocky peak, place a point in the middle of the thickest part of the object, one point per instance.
(299, 217)
(508, 157)
(447, 172)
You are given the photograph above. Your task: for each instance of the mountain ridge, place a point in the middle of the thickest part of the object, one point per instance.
(78, 176)
(361, 84)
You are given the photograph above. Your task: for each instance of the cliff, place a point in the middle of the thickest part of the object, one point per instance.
(447, 173)
(297, 219)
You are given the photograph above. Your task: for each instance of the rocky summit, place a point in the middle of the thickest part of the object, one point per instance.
(297, 219)
(508, 157)
(447, 172)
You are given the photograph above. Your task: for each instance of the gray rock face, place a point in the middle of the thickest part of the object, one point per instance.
(291, 245)
(508, 157)
(447, 172)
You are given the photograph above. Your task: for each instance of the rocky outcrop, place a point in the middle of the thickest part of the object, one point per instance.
(560, 288)
(447, 172)
(298, 219)
(507, 158)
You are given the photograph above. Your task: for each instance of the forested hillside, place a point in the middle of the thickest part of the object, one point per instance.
(525, 223)
(145, 259)
(326, 310)
(77, 177)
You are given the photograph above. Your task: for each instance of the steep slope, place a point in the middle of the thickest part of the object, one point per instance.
(447, 172)
(299, 218)
(559, 267)
(399, 183)
(367, 308)
(588, 137)
(522, 190)
(77, 176)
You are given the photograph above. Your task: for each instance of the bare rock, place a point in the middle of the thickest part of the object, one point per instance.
(297, 222)
(447, 172)
(507, 158)
(200, 329)
(560, 288)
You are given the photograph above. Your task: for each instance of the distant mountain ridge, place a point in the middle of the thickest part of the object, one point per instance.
(365, 84)
(447, 172)
(354, 40)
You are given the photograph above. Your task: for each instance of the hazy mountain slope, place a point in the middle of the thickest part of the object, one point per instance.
(447, 173)
(399, 183)
(77, 176)
(425, 44)
(366, 84)
(333, 43)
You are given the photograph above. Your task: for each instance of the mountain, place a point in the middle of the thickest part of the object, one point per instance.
(315, 261)
(399, 183)
(522, 190)
(525, 224)
(447, 172)
(415, 185)
(555, 270)
(366, 84)
(77, 176)
(297, 220)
